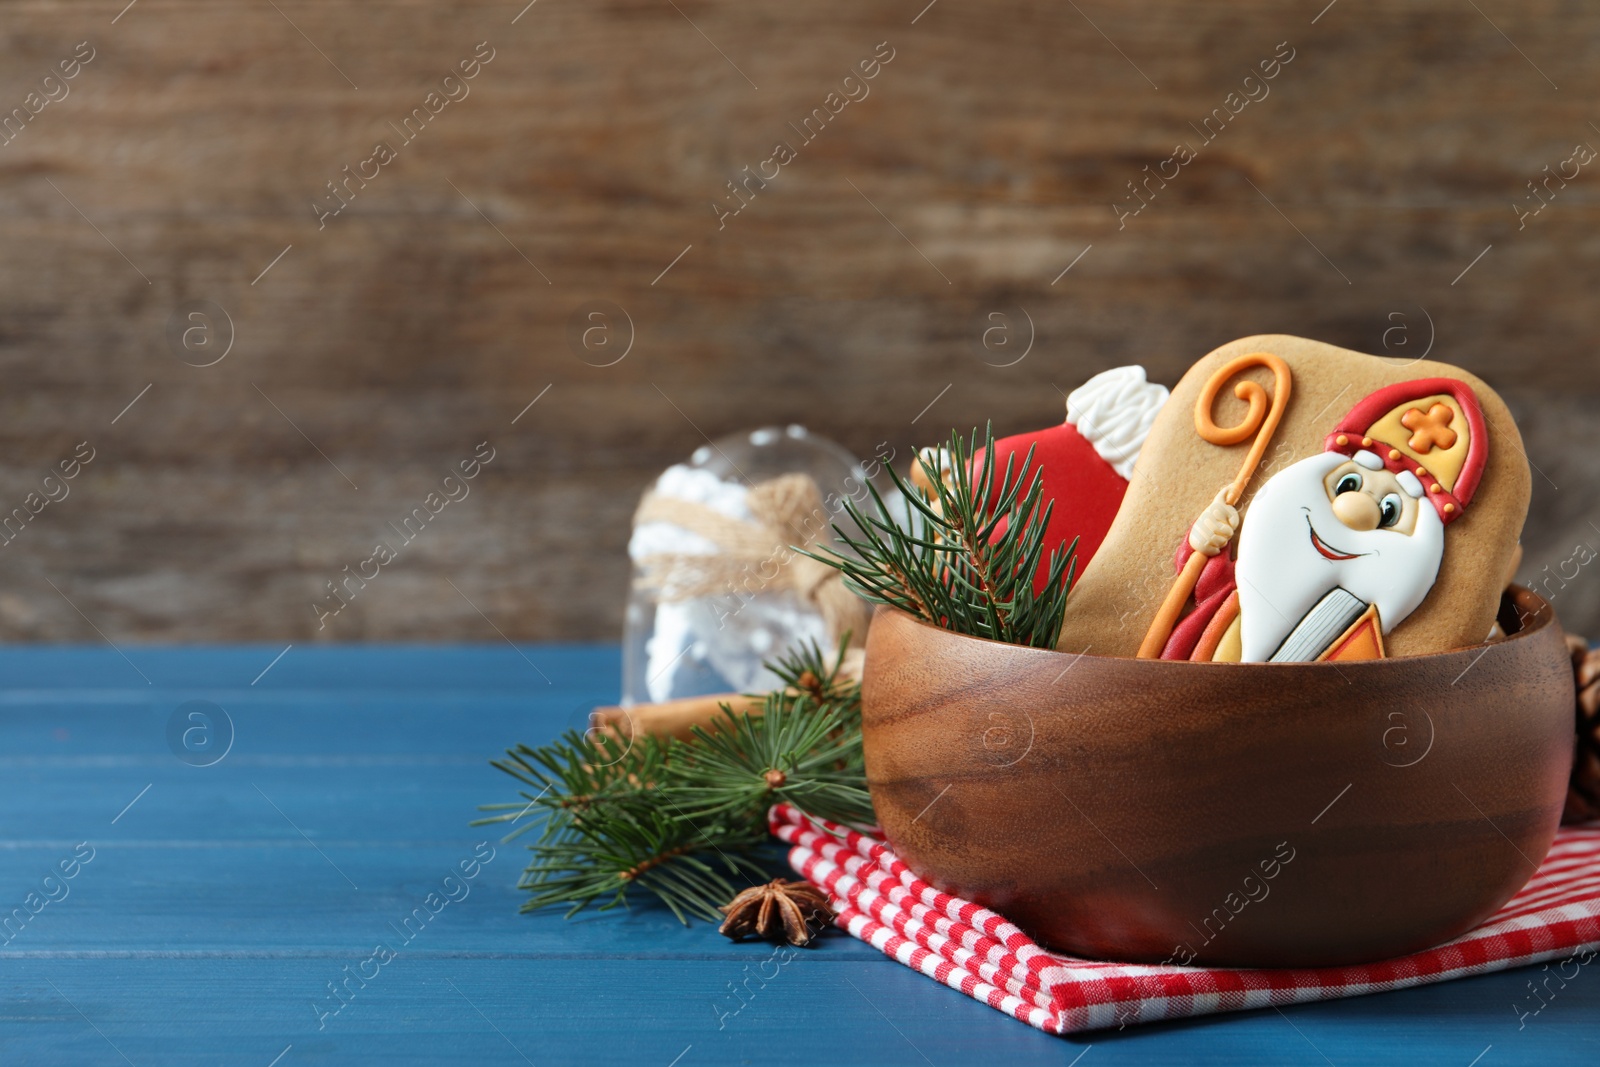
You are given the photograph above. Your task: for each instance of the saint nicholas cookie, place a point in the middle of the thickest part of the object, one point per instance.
(1296, 502)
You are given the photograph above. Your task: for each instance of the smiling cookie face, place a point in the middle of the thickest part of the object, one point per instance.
(1338, 549)
(1406, 511)
(1326, 523)
(1365, 496)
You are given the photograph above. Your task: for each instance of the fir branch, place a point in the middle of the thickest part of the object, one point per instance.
(615, 848)
(577, 773)
(678, 820)
(964, 558)
(797, 751)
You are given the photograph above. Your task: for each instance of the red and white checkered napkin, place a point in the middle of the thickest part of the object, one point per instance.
(880, 901)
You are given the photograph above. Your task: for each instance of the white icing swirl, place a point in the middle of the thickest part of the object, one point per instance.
(1114, 411)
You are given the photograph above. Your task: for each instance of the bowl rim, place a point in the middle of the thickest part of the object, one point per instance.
(1534, 612)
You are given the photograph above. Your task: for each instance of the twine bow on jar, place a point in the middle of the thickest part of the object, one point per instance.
(754, 556)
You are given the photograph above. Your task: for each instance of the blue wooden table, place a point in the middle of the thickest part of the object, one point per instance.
(212, 856)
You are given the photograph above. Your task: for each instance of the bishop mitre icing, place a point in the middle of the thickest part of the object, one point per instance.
(1380, 522)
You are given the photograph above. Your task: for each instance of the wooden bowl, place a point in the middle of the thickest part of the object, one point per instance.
(1263, 815)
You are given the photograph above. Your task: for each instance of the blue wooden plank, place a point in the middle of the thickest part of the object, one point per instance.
(217, 907)
(812, 1010)
(394, 667)
(383, 798)
(405, 798)
(310, 724)
(142, 897)
(486, 1011)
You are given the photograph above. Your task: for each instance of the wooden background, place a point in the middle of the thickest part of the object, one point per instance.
(847, 295)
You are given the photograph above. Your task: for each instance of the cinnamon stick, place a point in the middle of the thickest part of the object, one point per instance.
(671, 718)
(677, 718)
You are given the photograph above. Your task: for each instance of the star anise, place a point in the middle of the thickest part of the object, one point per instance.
(777, 911)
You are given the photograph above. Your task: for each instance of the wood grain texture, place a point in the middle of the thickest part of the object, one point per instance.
(206, 927)
(1106, 805)
(848, 293)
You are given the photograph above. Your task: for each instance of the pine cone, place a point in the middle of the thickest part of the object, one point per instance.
(1583, 794)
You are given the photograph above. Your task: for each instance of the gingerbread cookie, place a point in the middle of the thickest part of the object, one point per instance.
(1296, 501)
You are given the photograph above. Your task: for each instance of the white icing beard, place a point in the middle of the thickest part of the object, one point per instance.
(1282, 575)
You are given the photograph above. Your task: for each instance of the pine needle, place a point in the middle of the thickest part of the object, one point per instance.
(683, 821)
(965, 558)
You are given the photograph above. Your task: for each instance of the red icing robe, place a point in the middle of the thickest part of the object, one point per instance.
(1216, 584)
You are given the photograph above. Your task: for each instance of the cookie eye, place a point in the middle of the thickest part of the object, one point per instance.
(1390, 507)
(1349, 483)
